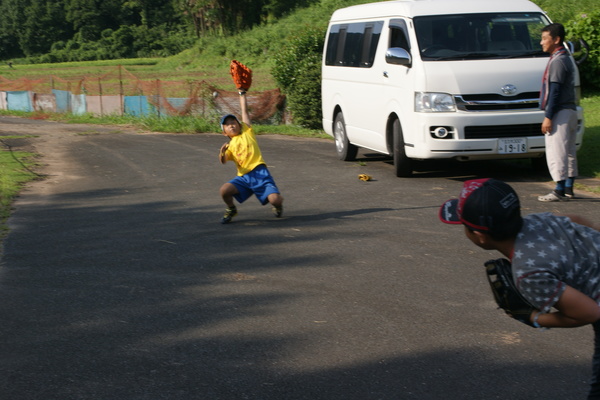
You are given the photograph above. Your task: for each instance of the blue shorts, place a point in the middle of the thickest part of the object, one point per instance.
(258, 182)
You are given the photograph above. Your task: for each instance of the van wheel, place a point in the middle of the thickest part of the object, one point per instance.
(345, 150)
(402, 164)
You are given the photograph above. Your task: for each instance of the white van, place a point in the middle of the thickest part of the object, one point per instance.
(427, 79)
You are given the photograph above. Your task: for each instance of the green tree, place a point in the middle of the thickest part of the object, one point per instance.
(43, 24)
(153, 13)
(202, 15)
(297, 72)
(274, 9)
(229, 17)
(587, 27)
(91, 17)
(12, 13)
(31, 27)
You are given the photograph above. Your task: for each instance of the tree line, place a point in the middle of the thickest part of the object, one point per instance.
(70, 30)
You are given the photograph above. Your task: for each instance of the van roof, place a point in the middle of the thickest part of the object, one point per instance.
(413, 8)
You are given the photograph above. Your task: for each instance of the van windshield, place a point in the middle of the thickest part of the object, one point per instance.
(479, 36)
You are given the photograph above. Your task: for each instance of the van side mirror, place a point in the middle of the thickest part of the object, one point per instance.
(579, 49)
(398, 56)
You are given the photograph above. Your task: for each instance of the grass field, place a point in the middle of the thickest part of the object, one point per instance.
(589, 162)
(15, 170)
(145, 69)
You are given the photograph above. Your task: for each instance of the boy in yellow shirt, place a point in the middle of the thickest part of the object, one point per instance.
(253, 177)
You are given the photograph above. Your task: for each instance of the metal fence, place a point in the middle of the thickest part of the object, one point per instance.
(119, 92)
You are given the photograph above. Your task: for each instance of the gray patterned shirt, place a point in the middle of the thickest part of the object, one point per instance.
(552, 252)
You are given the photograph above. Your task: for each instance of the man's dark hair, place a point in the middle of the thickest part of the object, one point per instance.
(509, 231)
(555, 30)
(511, 227)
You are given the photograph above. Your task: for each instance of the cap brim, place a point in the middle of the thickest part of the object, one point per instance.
(449, 212)
(224, 117)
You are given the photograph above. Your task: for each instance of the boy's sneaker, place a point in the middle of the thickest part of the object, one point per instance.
(278, 211)
(569, 192)
(229, 214)
(553, 196)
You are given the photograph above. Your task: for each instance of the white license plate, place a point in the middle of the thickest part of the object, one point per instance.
(512, 146)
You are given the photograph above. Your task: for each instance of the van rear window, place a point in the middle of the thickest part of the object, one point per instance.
(353, 45)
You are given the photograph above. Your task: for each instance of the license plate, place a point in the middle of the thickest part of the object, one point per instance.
(512, 146)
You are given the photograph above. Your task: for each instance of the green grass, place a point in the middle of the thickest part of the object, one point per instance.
(589, 162)
(290, 130)
(168, 124)
(15, 170)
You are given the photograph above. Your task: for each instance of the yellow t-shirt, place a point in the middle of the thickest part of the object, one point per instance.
(244, 151)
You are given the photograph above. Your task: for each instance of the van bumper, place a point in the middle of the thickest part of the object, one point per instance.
(482, 136)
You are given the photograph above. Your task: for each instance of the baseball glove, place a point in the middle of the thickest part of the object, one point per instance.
(242, 75)
(506, 294)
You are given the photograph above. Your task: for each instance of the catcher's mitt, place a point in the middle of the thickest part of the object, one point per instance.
(242, 75)
(499, 274)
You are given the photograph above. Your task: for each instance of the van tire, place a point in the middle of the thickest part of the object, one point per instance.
(345, 150)
(402, 164)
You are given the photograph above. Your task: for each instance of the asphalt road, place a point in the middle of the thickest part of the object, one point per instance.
(118, 282)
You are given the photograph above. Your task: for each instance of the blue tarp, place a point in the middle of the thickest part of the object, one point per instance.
(63, 100)
(177, 102)
(78, 104)
(138, 106)
(68, 102)
(19, 101)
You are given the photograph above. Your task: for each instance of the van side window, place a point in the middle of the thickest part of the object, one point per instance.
(353, 45)
(398, 38)
(365, 60)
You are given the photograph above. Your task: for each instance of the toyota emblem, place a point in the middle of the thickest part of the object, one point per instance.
(509, 89)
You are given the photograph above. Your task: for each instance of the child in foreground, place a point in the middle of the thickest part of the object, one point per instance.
(555, 259)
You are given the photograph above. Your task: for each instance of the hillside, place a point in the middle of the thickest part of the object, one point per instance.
(258, 45)
(209, 58)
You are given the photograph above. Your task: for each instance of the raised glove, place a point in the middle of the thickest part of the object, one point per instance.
(506, 294)
(242, 76)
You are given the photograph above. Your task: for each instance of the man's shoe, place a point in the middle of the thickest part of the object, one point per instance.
(553, 196)
(278, 211)
(229, 214)
(569, 192)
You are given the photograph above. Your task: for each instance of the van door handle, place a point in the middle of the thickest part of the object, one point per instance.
(385, 74)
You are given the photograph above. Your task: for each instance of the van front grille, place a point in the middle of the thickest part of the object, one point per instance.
(497, 102)
(502, 131)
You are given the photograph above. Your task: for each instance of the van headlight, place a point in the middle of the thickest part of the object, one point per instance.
(434, 102)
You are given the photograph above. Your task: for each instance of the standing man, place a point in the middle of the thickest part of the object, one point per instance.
(560, 114)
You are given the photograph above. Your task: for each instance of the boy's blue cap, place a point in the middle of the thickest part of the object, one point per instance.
(224, 117)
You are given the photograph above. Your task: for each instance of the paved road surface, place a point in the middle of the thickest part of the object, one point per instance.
(118, 282)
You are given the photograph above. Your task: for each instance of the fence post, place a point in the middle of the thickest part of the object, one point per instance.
(69, 94)
(100, 92)
(158, 97)
(121, 99)
(140, 95)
